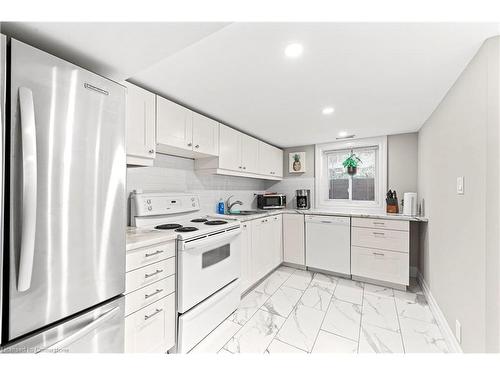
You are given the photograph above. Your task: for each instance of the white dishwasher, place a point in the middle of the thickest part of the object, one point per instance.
(328, 243)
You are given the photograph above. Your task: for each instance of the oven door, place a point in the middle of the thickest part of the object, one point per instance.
(206, 265)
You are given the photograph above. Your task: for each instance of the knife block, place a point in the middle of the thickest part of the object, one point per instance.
(392, 206)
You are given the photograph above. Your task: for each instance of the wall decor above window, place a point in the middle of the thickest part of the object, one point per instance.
(296, 162)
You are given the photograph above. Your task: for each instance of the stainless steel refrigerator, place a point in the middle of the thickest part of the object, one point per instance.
(63, 205)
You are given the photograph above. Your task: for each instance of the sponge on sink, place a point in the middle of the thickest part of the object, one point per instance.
(235, 211)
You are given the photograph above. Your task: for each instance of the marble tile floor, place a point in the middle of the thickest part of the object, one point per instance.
(297, 311)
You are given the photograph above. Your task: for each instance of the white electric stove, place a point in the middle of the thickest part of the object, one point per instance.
(208, 260)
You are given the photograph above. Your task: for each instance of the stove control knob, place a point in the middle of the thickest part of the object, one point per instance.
(148, 201)
(150, 208)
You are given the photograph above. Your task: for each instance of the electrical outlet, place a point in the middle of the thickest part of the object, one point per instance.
(458, 331)
(460, 185)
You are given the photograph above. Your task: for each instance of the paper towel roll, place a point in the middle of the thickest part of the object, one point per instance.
(410, 204)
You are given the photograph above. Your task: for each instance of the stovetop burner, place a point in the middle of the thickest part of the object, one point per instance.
(215, 222)
(200, 220)
(168, 226)
(186, 229)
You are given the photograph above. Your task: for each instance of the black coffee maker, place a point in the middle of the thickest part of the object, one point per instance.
(303, 199)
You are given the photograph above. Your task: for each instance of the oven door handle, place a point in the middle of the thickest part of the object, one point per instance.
(210, 242)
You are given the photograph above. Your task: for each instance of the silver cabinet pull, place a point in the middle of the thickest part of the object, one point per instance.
(157, 311)
(244, 167)
(148, 275)
(29, 189)
(381, 254)
(378, 233)
(146, 296)
(190, 144)
(240, 167)
(378, 223)
(151, 151)
(197, 146)
(326, 222)
(153, 254)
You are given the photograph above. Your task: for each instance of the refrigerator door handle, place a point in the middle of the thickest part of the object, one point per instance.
(29, 189)
(58, 346)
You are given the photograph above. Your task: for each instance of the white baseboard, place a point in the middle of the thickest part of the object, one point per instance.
(452, 342)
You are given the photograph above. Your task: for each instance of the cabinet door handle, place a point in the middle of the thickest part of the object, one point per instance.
(326, 222)
(197, 146)
(381, 254)
(146, 296)
(157, 311)
(378, 223)
(151, 151)
(148, 275)
(244, 167)
(153, 254)
(240, 167)
(190, 144)
(378, 234)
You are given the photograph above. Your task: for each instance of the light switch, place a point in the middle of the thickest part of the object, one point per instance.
(460, 185)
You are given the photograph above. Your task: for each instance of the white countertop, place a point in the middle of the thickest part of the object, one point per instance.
(265, 213)
(138, 237)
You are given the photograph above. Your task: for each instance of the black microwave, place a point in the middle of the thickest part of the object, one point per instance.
(271, 201)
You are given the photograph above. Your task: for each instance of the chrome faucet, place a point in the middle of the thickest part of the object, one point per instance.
(230, 205)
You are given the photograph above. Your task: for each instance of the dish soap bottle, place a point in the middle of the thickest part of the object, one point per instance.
(220, 207)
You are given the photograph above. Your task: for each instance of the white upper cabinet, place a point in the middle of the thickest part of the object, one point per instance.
(243, 155)
(229, 149)
(182, 132)
(249, 154)
(174, 127)
(270, 160)
(140, 120)
(238, 151)
(205, 135)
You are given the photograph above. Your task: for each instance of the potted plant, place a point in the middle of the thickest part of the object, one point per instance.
(351, 163)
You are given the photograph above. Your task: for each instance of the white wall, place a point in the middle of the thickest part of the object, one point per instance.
(459, 260)
(402, 163)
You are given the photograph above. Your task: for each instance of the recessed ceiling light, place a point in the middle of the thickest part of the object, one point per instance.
(328, 110)
(294, 50)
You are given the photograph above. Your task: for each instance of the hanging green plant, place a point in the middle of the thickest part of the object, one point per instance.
(351, 163)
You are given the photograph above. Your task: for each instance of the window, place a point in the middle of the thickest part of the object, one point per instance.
(335, 188)
(361, 186)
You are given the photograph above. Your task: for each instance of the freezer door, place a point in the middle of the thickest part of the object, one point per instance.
(101, 330)
(67, 190)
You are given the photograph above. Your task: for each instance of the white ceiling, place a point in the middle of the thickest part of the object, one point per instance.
(115, 50)
(381, 78)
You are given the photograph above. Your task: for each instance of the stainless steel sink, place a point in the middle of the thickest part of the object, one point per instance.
(243, 213)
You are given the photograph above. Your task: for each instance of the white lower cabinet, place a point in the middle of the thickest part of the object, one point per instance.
(376, 264)
(150, 299)
(151, 329)
(246, 256)
(380, 250)
(262, 248)
(293, 239)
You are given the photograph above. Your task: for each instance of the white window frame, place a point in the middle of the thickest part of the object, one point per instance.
(322, 183)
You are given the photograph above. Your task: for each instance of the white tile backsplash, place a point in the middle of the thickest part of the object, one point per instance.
(175, 174)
